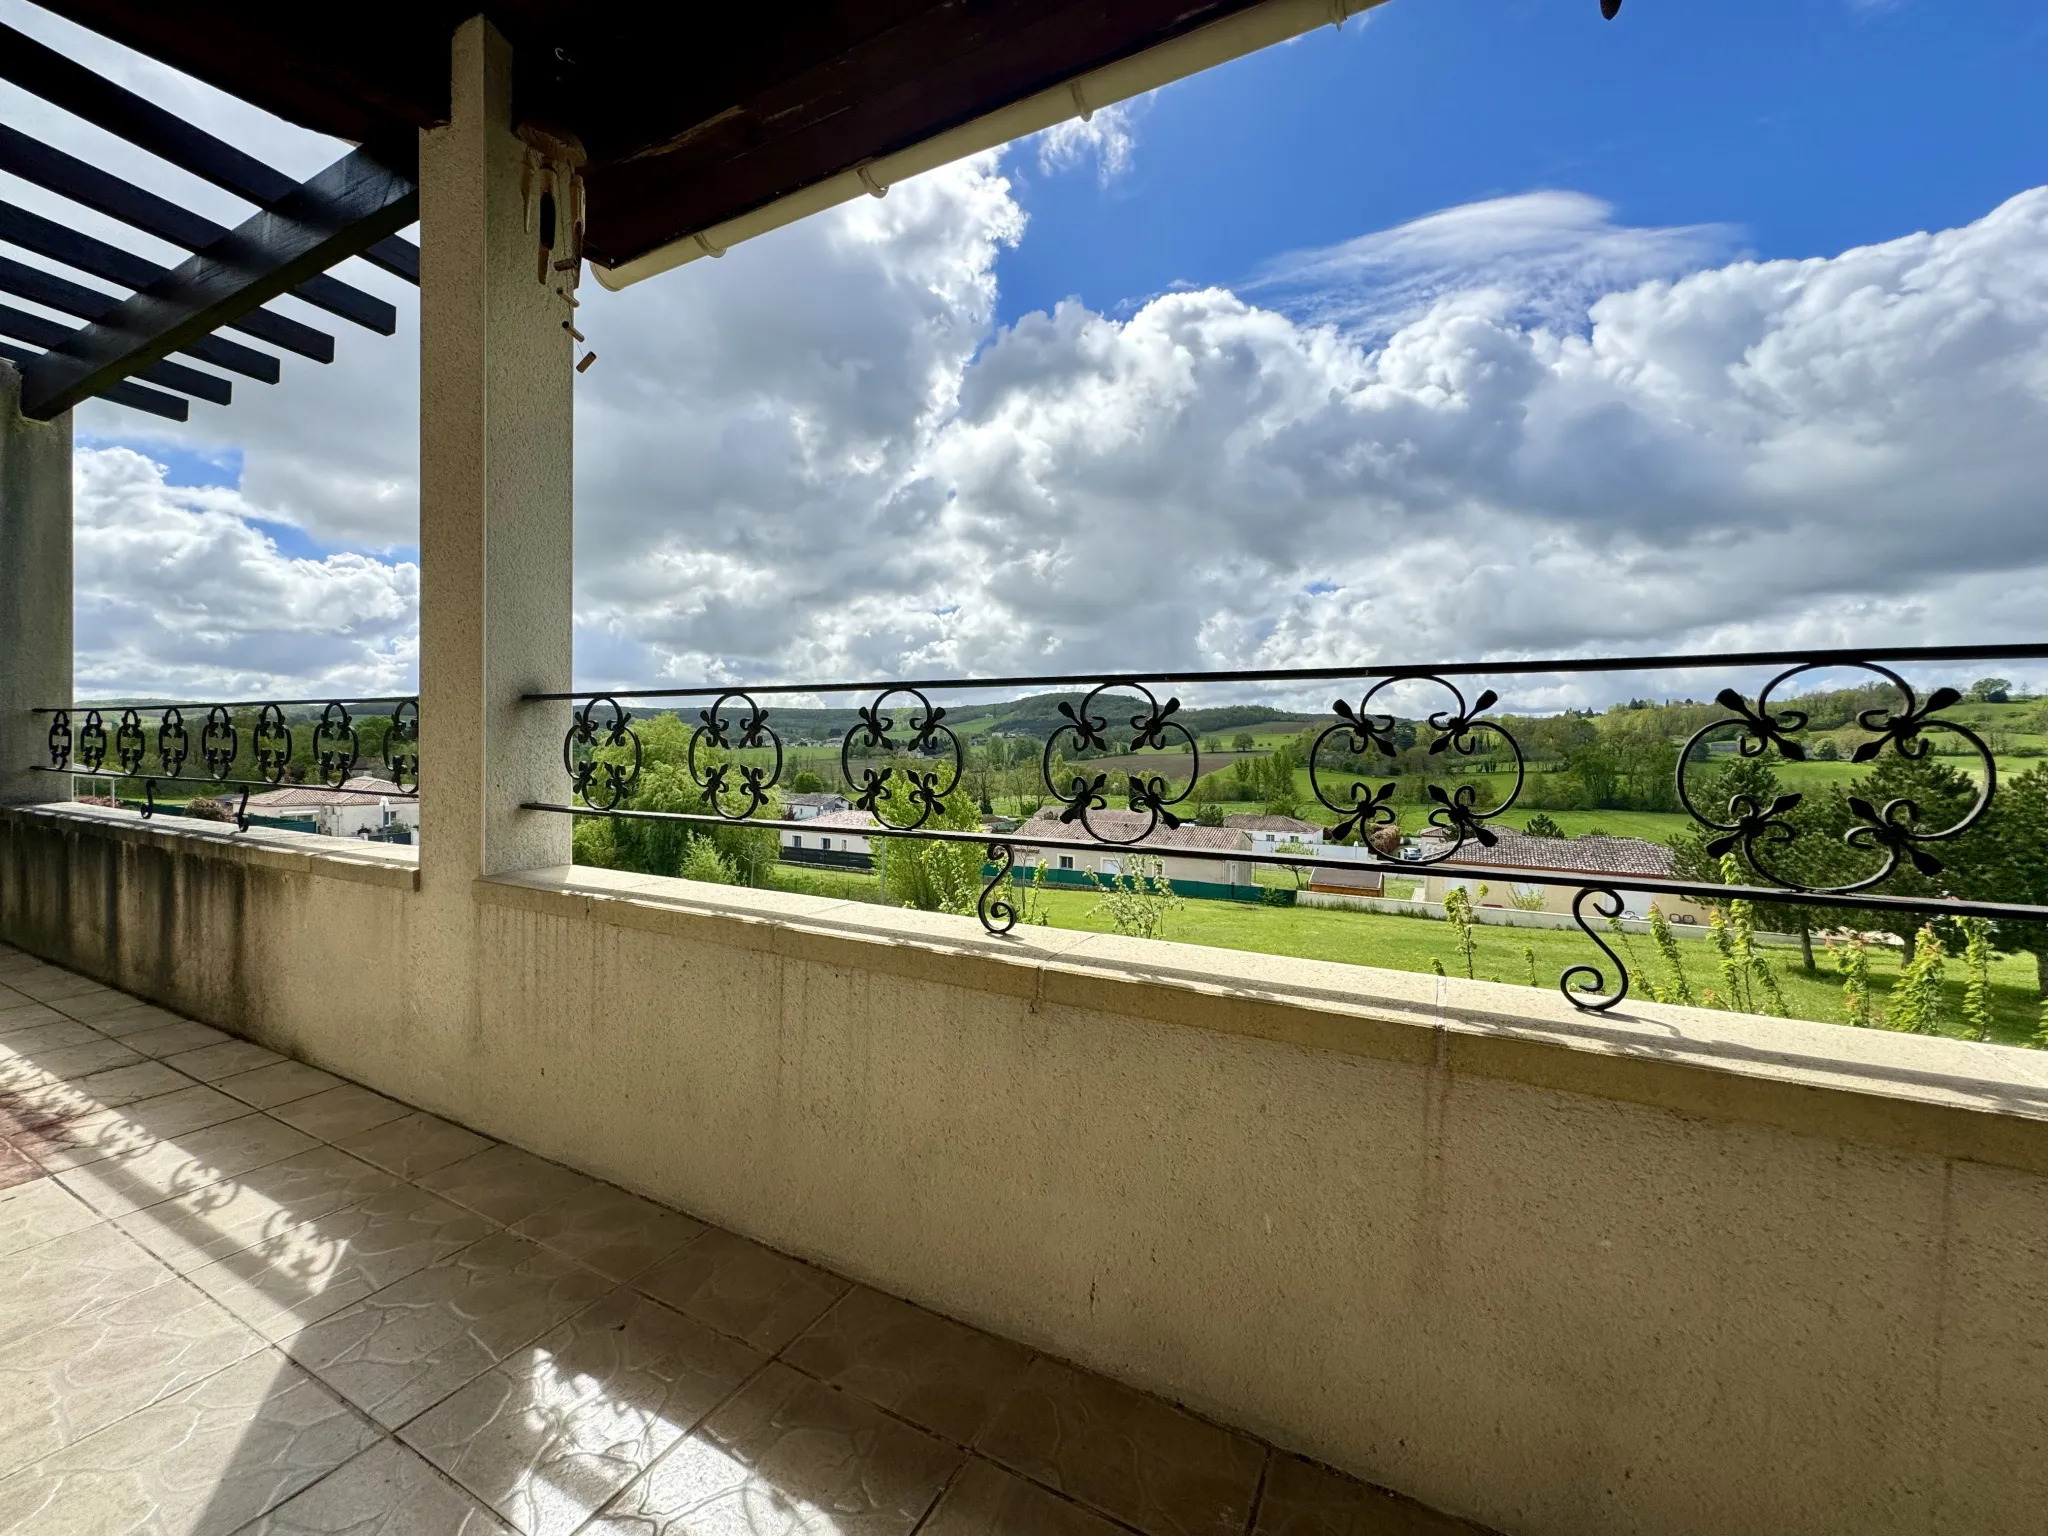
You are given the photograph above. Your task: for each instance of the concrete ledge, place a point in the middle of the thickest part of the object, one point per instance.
(1948, 1098)
(333, 858)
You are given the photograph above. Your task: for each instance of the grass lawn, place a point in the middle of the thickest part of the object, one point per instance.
(1411, 943)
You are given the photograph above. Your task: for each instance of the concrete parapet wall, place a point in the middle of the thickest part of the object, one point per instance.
(1664, 1272)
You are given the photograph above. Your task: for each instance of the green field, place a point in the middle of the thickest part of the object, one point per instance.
(1412, 943)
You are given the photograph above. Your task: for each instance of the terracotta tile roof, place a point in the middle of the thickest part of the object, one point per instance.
(842, 821)
(363, 789)
(1117, 825)
(1262, 823)
(1593, 854)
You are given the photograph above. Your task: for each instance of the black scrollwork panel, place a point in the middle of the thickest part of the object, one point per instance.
(173, 742)
(732, 789)
(271, 741)
(220, 743)
(336, 746)
(1585, 986)
(1360, 735)
(1898, 832)
(402, 746)
(1152, 795)
(930, 739)
(60, 739)
(997, 912)
(131, 745)
(92, 742)
(602, 783)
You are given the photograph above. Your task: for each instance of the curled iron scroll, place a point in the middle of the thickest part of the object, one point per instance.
(734, 790)
(173, 742)
(272, 743)
(930, 737)
(402, 746)
(1359, 732)
(1892, 832)
(219, 743)
(1590, 995)
(60, 739)
(601, 784)
(998, 914)
(1154, 729)
(336, 746)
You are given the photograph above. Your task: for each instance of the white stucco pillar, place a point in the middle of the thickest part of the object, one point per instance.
(35, 591)
(496, 442)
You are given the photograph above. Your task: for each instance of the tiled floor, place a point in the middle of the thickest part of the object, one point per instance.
(238, 1294)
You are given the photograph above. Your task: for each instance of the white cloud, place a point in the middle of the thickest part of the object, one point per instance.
(1519, 427)
(1107, 137)
(179, 597)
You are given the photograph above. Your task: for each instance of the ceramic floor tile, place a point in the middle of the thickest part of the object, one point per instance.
(984, 1500)
(743, 1289)
(506, 1184)
(172, 1039)
(26, 1014)
(125, 1085)
(204, 1462)
(60, 1385)
(613, 1232)
(71, 1277)
(17, 1168)
(939, 1374)
(35, 1040)
(313, 1270)
(787, 1457)
(48, 983)
(397, 1352)
(175, 1166)
(94, 1006)
(224, 1060)
(134, 1019)
(1129, 1455)
(282, 1082)
(416, 1145)
(35, 1213)
(1302, 1499)
(134, 1128)
(386, 1491)
(259, 1206)
(341, 1112)
(70, 1063)
(555, 1431)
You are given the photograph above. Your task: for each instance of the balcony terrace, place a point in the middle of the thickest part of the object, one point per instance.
(456, 1185)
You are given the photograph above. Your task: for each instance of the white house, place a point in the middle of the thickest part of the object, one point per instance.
(831, 837)
(363, 807)
(1268, 833)
(1163, 844)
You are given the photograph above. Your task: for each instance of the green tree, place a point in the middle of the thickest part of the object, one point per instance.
(1991, 690)
(1137, 900)
(1243, 742)
(1853, 961)
(806, 782)
(1676, 988)
(1976, 976)
(2005, 858)
(1920, 999)
(1541, 825)
(932, 877)
(1458, 910)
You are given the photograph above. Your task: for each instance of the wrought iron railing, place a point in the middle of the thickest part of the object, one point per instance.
(113, 742)
(901, 760)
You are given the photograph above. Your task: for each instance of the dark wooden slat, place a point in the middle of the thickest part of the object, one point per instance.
(154, 401)
(354, 202)
(62, 82)
(68, 176)
(60, 293)
(48, 334)
(48, 238)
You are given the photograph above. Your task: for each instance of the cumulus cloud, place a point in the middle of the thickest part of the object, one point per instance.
(1514, 428)
(180, 595)
(1107, 137)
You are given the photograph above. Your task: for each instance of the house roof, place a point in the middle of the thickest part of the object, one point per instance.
(848, 821)
(1592, 854)
(1118, 826)
(693, 116)
(826, 798)
(360, 790)
(1263, 823)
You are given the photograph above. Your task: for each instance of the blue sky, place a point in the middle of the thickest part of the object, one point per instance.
(1811, 125)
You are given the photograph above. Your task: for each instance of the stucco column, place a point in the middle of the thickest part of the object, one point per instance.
(35, 591)
(496, 436)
